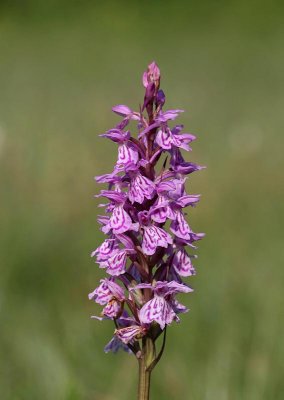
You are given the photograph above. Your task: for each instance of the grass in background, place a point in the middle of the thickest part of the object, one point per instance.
(62, 68)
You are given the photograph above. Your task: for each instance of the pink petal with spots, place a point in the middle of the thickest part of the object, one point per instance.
(112, 309)
(105, 250)
(141, 188)
(130, 333)
(180, 227)
(120, 221)
(182, 263)
(116, 264)
(154, 237)
(164, 139)
(157, 309)
(127, 154)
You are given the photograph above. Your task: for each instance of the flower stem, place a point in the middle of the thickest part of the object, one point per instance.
(144, 380)
(148, 355)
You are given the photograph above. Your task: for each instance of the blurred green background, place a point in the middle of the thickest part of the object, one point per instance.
(63, 65)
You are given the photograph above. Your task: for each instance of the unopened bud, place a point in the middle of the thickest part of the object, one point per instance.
(149, 95)
(152, 75)
(160, 98)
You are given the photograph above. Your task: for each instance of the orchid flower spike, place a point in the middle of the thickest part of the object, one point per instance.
(145, 258)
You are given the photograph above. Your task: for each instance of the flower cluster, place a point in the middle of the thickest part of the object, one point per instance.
(145, 253)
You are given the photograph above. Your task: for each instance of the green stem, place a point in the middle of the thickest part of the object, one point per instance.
(144, 380)
(148, 355)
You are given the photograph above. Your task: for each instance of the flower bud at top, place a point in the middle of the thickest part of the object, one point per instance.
(152, 75)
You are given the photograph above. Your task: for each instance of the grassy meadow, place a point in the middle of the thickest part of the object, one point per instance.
(63, 65)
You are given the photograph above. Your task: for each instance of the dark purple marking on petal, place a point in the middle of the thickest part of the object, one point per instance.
(141, 188)
(120, 221)
(154, 237)
(127, 154)
(182, 263)
(116, 264)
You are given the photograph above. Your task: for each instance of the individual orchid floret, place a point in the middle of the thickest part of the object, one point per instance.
(106, 291)
(140, 187)
(180, 226)
(162, 210)
(105, 250)
(116, 264)
(120, 221)
(182, 263)
(147, 231)
(153, 236)
(125, 111)
(130, 333)
(167, 138)
(168, 115)
(180, 166)
(111, 295)
(126, 150)
(162, 308)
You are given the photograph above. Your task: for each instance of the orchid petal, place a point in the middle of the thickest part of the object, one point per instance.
(116, 344)
(157, 309)
(116, 264)
(141, 188)
(130, 333)
(154, 237)
(120, 221)
(127, 154)
(182, 263)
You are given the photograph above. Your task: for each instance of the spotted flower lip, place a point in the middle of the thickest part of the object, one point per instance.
(130, 333)
(182, 263)
(140, 188)
(107, 290)
(147, 231)
(162, 308)
(168, 138)
(105, 250)
(154, 237)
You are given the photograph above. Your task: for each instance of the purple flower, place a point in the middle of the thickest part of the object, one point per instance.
(120, 221)
(105, 250)
(111, 295)
(182, 263)
(140, 188)
(154, 237)
(167, 138)
(168, 115)
(180, 227)
(125, 111)
(116, 263)
(162, 210)
(126, 151)
(162, 307)
(126, 155)
(130, 333)
(145, 252)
